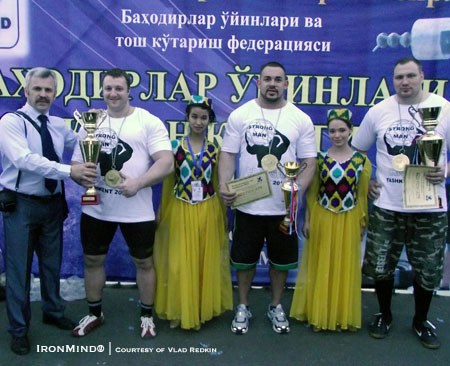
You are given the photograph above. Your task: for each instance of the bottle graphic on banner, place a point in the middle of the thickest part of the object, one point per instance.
(429, 39)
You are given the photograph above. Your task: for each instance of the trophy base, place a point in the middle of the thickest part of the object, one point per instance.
(284, 227)
(90, 199)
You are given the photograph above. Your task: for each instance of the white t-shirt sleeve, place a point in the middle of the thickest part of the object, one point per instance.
(366, 134)
(158, 137)
(232, 138)
(306, 144)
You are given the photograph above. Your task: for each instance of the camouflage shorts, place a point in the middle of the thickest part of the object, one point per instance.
(424, 235)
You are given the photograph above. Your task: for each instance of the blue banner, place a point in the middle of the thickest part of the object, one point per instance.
(336, 53)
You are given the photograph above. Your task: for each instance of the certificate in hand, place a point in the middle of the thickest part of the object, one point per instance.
(418, 192)
(250, 188)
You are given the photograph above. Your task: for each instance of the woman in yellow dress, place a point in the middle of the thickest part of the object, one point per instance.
(328, 288)
(191, 252)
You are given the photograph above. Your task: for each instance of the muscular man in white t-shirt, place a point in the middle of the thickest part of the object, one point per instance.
(136, 150)
(395, 127)
(267, 126)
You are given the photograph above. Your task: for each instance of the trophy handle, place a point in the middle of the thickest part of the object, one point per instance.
(280, 168)
(413, 113)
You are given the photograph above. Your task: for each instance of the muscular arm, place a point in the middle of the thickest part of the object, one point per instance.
(162, 166)
(227, 166)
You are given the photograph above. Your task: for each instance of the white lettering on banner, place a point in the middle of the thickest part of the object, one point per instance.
(313, 22)
(131, 41)
(164, 42)
(167, 19)
(236, 20)
(267, 45)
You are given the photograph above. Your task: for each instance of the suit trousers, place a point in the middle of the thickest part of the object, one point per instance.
(35, 226)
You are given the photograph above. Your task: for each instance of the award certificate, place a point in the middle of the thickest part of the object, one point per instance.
(250, 188)
(418, 193)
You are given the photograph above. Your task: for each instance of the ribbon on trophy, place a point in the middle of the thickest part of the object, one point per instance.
(290, 190)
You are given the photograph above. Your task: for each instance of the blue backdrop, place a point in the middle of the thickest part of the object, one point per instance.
(336, 52)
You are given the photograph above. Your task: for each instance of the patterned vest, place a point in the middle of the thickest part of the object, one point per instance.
(338, 181)
(185, 170)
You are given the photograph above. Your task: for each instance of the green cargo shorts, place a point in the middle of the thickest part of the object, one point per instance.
(424, 235)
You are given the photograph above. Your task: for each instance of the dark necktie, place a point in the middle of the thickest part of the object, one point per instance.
(48, 150)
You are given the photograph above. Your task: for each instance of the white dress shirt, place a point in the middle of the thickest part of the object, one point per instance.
(21, 149)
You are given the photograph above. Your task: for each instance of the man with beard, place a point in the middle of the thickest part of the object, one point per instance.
(32, 144)
(265, 129)
(393, 125)
(136, 154)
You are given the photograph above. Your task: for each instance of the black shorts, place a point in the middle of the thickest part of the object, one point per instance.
(248, 240)
(96, 236)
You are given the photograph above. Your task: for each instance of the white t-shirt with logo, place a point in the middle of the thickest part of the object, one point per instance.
(251, 131)
(395, 131)
(130, 142)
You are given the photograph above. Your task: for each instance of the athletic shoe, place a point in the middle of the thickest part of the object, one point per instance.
(148, 327)
(239, 325)
(87, 324)
(380, 327)
(426, 333)
(277, 316)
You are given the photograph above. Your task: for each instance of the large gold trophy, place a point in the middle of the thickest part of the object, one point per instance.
(290, 192)
(90, 149)
(418, 192)
(430, 143)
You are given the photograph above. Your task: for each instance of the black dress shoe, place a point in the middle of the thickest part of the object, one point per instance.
(62, 323)
(20, 345)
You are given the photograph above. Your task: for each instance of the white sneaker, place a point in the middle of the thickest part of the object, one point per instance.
(148, 327)
(277, 316)
(239, 325)
(87, 324)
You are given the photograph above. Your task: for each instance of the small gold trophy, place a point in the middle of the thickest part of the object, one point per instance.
(430, 143)
(90, 149)
(290, 192)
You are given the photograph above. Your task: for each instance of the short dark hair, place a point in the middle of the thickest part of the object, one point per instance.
(211, 113)
(118, 73)
(405, 60)
(272, 64)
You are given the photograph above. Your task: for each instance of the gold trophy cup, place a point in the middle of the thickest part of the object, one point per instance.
(90, 149)
(290, 192)
(430, 143)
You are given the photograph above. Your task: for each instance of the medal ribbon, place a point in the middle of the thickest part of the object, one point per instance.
(292, 204)
(197, 163)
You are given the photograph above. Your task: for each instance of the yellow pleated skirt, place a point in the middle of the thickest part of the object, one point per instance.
(191, 255)
(328, 289)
